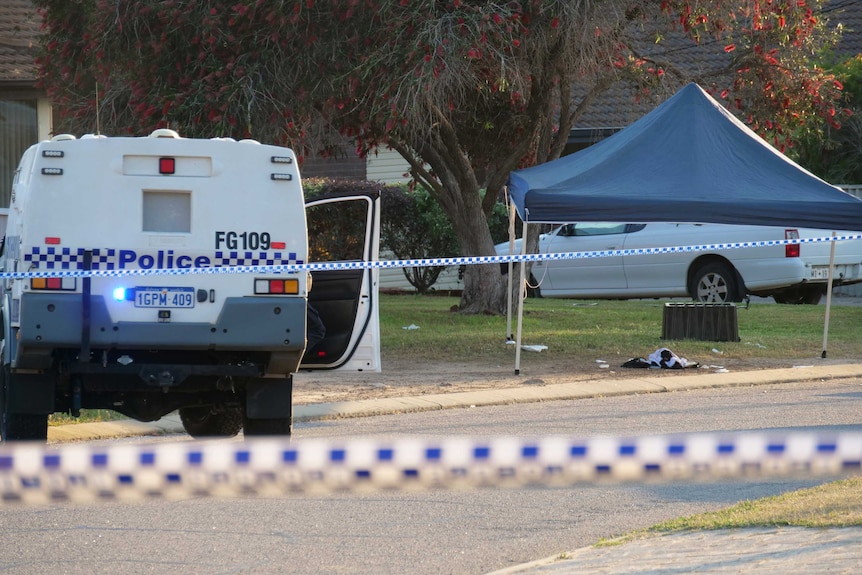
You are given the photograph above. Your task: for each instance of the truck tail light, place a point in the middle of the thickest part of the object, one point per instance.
(276, 286)
(167, 166)
(791, 250)
(53, 284)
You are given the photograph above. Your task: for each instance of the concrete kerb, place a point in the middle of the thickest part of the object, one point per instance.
(526, 394)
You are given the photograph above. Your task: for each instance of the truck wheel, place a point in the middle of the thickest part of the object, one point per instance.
(19, 426)
(204, 422)
(715, 283)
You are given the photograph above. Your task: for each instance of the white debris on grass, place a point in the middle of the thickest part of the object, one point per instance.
(536, 348)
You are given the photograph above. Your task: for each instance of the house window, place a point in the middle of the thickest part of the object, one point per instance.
(19, 129)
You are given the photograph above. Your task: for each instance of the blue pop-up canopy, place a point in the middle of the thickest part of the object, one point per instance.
(689, 160)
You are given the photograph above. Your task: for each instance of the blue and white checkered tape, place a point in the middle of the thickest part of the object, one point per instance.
(274, 467)
(414, 263)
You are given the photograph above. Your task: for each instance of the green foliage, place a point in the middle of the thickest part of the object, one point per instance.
(836, 154)
(849, 73)
(392, 69)
(415, 227)
(87, 416)
(336, 232)
(317, 187)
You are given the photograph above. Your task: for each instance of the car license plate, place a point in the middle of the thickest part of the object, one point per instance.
(164, 297)
(819, 272)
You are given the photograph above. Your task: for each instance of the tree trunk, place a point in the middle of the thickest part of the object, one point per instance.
(484, 285)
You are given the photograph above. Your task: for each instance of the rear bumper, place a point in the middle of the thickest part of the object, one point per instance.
(842, 274)
(50, 321)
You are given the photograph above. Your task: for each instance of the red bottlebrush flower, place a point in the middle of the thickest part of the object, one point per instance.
(516, 42)
(781, 22)
(730, 48)
(838, 84)
(725, 93)
(555, 23)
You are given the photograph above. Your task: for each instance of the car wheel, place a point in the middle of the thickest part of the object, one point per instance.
(786, 298)
(808, 295)
(812, 295)
(19, 426)
(715, 283)
(204, 422)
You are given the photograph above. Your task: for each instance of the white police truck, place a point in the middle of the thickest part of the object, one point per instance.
(147, 275)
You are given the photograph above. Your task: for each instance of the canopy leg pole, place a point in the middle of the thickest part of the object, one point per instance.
(521, 297)
(510, 264)
(828, 295)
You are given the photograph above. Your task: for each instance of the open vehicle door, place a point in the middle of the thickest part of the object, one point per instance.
(345, 228)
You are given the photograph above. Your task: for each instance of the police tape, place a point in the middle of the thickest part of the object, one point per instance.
(62, 269)
(277, 467)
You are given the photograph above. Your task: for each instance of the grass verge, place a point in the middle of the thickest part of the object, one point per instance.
(614, 330)
(833, 504)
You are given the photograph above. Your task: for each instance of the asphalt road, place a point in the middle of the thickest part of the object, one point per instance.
(463, 532)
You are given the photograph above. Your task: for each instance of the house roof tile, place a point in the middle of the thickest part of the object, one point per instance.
(621, 105)
(19, 32)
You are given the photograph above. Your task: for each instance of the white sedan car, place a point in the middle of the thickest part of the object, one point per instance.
(791, 273)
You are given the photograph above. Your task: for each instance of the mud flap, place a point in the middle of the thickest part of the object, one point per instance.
(269, 398)
(30, 393)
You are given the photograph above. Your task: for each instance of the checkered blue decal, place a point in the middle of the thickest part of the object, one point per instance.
(64, 258)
